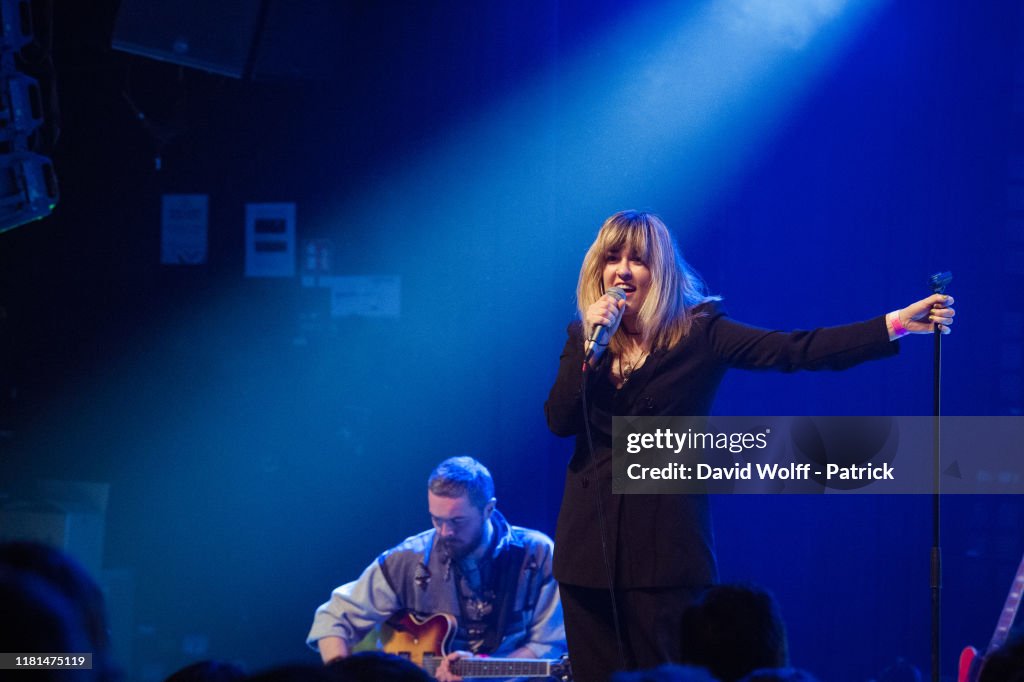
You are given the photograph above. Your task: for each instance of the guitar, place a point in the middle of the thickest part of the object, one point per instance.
(970, 658)
(425, 642)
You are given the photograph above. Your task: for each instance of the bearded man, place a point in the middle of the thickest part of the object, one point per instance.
(494, 578)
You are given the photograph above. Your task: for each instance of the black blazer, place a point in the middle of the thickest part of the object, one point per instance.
(666, 540)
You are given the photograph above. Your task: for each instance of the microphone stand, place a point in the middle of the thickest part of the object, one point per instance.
(938, 283)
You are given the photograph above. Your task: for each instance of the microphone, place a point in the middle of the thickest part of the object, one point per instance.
(599, 335)
(939, 281)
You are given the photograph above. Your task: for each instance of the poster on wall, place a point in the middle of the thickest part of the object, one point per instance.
(183, 229)
(270, 240)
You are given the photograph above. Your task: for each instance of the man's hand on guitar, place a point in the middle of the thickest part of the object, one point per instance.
(444, 669)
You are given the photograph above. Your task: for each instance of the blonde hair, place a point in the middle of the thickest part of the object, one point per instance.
(665, 317)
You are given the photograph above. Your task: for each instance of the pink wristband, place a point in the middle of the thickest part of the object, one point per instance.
(897, 327)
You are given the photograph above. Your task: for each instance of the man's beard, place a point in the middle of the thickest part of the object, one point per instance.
(459, 551)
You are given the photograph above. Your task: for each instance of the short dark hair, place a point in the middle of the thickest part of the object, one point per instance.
(780, 675)
(209, 671)
(68, 577)
(667, 672)
(377, 666)
(458, 476)
(733, 630)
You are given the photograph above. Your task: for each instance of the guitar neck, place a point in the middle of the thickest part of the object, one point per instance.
(494, 667)
(1009, 612)
(502, 667)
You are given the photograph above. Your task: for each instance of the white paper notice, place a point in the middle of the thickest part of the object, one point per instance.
(270, 240)
(183, 228)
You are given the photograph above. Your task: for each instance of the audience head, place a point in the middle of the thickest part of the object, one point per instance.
(208, 671)
(733, 630)
(900, 671)
(302, 672)
(377, 666)
(67, 593)
(39, 619)
(780, 675)
(669, 672)
(68, 577)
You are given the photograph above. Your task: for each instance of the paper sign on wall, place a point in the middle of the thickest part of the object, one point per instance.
(270, 240)
(183, 229)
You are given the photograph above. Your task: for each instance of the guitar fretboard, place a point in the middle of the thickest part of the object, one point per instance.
(493, 667)
(1009, 613)
(502, 667)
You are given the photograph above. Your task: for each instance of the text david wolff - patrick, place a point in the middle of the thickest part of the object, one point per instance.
(765, 472)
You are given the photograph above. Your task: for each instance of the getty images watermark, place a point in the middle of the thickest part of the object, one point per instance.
(815, 455)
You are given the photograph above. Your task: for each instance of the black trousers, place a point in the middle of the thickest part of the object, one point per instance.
(650, 621)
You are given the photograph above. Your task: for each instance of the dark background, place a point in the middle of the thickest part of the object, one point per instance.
(260, 452)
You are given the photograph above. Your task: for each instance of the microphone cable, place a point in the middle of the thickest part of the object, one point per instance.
(602, 519)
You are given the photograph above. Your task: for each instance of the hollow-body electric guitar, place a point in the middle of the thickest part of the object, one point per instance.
(425, 641)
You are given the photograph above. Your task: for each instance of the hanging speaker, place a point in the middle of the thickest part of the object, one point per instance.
(258, 39)
(213, 36)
